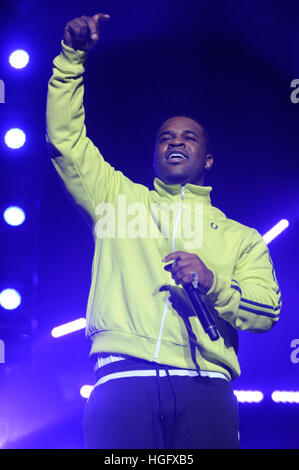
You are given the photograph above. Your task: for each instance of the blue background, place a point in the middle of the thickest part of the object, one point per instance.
(228, 63)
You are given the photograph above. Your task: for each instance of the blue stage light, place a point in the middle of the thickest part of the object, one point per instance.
(86, 390)
(249, 396)
(276, 230)
(285, 396)
(19, 59)
(14, 216)
(15, 138)
(69, 327)
(10, 299)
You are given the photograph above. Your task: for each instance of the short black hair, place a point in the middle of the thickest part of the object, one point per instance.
(205, 133)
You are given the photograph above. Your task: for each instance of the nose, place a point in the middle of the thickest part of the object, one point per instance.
(176, 143)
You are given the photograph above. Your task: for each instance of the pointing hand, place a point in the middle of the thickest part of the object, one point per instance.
(83, 33)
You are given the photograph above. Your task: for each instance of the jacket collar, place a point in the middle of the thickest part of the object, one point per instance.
(191, 191)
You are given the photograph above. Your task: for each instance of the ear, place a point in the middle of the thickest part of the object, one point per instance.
(209, 161)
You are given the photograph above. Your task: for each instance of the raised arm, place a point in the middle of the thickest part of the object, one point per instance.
(87, 177)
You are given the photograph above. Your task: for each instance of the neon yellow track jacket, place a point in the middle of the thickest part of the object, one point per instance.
(134, 307)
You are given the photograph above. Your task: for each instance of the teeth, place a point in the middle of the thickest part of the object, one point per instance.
(175, 155)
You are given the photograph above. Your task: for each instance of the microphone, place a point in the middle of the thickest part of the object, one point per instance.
(202, 312)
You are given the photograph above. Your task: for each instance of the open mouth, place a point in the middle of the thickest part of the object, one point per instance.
(176, 157)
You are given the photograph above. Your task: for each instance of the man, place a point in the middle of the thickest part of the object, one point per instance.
(161, 380)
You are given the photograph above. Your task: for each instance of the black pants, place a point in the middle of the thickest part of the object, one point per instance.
(168, 412)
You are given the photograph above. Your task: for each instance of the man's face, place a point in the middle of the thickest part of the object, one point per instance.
(180, 152)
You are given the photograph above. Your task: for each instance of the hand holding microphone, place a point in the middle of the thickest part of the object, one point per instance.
(201, 309)
(188, 270)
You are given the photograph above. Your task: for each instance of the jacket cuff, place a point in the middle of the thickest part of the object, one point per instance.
(70, 61)
(220, 287)
(76, 56)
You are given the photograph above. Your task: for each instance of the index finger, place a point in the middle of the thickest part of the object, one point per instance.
(94, 33)
(174, 255)
(101, 16)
